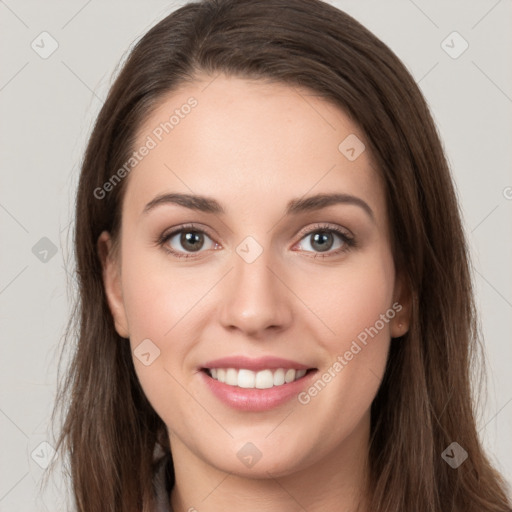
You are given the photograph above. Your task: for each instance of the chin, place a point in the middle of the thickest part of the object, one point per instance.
(258, 460)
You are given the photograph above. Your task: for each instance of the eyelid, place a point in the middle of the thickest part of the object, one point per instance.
(301, 234)
(163, 239)
(324, 226)
(348, 239)
(192, 226)
(345, 235)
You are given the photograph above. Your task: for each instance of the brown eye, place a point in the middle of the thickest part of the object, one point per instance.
(191, 240)
(185, 241)
(327, 239)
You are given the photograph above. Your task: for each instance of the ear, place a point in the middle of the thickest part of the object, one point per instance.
(402, 304)
(112, 283)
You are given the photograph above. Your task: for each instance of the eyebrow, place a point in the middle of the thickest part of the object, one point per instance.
(294, 207)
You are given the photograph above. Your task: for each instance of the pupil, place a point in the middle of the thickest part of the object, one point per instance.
(189, 238)
(323, 237)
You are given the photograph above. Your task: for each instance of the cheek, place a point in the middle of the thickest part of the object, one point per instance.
(158, 298)
(158, 305)
(355, 305)
(161, 309)
(343, 315)
(344, 302)
(351, 299)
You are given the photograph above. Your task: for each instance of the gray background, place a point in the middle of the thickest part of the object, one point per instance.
(46, 110)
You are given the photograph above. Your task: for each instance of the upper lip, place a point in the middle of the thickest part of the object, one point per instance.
(255, 364)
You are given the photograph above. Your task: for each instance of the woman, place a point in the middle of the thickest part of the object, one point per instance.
(274, 280)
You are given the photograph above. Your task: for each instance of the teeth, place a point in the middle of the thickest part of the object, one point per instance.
(231, 377)
(263, 379)
(246, 378)
(279, 377)
(289, 376)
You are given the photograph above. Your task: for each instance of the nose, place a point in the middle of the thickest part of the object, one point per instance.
(256, 299)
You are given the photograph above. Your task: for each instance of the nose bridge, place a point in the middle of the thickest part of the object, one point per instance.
(255, 298)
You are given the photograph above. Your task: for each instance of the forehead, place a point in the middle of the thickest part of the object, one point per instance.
(260, 143)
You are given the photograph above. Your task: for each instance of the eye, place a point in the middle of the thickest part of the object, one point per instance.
(322, 239)
(186, 240)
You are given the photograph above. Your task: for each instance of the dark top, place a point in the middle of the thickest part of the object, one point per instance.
(162, 483)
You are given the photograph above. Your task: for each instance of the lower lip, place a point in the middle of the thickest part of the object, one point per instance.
(256, 399)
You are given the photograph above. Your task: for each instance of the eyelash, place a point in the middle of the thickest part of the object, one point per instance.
(349, 242)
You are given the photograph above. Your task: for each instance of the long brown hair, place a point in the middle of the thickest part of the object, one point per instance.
(110, 430)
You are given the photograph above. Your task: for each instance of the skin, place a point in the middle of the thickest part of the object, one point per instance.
(254, 146)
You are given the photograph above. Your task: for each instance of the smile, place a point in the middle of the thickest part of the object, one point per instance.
(249, 379)
(255, 384)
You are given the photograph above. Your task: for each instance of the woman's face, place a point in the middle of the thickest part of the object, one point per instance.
(263, 283)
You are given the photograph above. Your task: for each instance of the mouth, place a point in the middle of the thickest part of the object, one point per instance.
(255, 385)
(262, 379)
